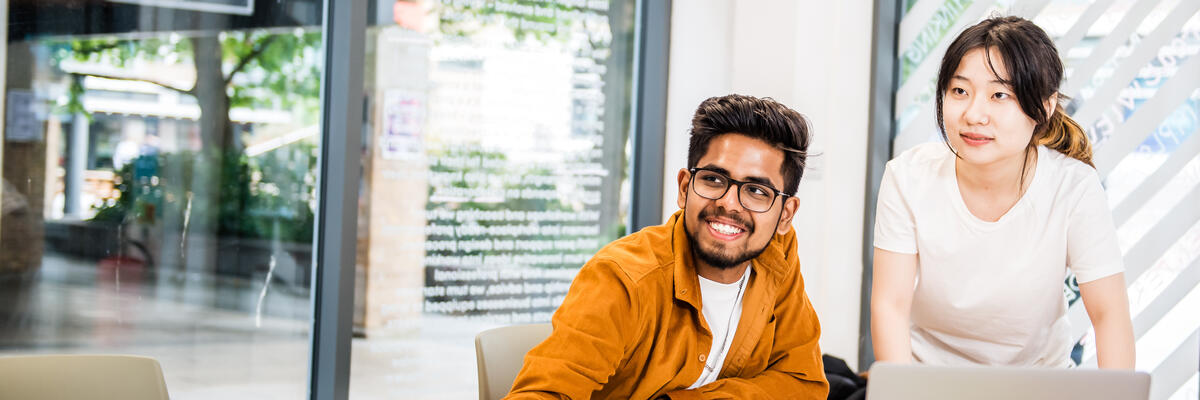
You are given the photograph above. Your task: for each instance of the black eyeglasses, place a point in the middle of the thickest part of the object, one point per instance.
(753, 196)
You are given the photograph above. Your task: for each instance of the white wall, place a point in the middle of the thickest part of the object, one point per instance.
(701, 45)
(816, 58)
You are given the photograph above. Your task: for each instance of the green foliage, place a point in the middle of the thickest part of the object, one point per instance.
(277, 198)
(74, 104)
(139, 197)
(281, 71)
(526, 19)
(265, 197)
(262, 69)
(120, 52)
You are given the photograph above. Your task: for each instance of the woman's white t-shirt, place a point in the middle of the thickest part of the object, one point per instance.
(992, 292)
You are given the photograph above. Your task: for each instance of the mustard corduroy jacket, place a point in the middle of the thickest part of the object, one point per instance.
(630, 327)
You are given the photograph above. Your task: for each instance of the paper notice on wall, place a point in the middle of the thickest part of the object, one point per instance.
(21, 123)
(403, 122)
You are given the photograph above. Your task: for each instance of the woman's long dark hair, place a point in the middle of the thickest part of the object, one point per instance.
(1035, 72)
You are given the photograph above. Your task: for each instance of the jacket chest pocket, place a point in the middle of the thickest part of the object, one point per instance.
(760, 356)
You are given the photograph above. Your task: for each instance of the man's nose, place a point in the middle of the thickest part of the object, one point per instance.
(730, 200)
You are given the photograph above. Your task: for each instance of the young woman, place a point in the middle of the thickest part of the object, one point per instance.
(974, 236)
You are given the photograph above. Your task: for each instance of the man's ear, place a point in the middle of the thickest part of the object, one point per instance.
(785, 219)
(684, 179)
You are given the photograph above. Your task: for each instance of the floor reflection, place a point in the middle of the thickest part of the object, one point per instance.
(221, 337)
(211, 335)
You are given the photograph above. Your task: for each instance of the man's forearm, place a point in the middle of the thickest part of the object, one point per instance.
(768, 384)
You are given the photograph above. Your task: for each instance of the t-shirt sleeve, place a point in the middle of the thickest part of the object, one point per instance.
(895, 229)
(1092, 249)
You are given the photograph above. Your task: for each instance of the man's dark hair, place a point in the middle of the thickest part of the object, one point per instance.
(760, 118)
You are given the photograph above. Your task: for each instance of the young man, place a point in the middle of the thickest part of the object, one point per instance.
(709, 305)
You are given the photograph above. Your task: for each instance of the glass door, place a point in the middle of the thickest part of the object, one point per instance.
(158, 187)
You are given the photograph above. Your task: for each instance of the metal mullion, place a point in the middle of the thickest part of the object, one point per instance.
(339, 174)
(880, 133)
(652, 42)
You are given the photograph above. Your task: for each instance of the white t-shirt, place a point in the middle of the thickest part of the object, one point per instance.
(722, 308)
(992, 292)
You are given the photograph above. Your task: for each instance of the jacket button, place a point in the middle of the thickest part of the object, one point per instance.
(684, 291)
(703, 357)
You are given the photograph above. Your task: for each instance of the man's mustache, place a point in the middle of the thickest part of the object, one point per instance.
(746, 222)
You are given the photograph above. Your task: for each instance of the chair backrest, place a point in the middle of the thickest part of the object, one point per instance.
(500, 353)
(95, 377)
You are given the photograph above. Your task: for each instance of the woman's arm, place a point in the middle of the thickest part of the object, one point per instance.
(891, 305)
(1108, 307)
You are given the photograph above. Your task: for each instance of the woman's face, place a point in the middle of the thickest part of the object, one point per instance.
(983, 120)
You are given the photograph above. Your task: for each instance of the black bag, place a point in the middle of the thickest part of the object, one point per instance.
(844, 384)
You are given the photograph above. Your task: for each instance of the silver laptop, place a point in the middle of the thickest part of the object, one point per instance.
(913, 382)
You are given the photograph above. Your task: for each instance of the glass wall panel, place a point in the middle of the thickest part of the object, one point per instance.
(158, 183)
(1132, 75)
(495, 165)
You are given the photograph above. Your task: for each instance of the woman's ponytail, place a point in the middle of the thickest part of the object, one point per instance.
(1066, 136)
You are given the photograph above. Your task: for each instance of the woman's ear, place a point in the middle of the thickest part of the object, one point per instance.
(1051, 104)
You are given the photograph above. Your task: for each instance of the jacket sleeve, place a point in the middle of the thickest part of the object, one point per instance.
(795, 369)
(591, 330)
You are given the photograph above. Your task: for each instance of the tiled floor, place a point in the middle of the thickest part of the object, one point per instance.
(223, 338)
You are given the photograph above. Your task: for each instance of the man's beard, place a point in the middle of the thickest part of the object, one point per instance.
(720, 259)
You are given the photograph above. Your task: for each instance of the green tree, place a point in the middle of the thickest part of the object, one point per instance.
(253, 69)
(209, 193)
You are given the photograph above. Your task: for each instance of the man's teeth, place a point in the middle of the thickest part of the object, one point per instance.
(725, 229)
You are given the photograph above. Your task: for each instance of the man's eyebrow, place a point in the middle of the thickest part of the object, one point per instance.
(754, 179)
(759, 180)
(714, 168)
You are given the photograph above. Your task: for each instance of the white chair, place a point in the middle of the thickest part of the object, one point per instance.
(70, 377)
(500, 353)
